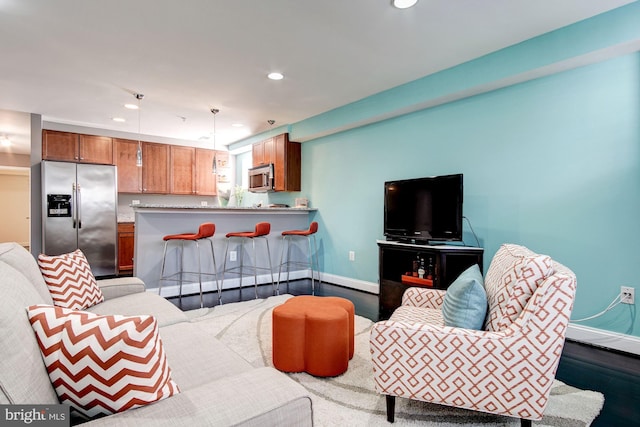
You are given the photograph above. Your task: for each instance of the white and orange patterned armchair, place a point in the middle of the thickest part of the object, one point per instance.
(506, 368)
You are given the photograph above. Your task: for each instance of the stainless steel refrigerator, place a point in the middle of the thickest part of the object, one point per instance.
(80, 204)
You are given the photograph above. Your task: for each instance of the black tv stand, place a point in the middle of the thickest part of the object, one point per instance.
(420, 242)
(396, 259)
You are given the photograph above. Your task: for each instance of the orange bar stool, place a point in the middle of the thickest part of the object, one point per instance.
(261, 232)
(309, 235)
(205, 231)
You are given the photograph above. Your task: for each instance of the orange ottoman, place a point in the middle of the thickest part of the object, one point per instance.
(313, 334)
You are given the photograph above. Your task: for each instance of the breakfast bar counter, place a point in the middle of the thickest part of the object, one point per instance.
(153, 222)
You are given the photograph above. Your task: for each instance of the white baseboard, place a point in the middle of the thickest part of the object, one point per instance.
(602, 338)
(173, 289)
(348, 282)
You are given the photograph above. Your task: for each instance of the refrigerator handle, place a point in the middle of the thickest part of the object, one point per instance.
(78, 205)
(73, 204)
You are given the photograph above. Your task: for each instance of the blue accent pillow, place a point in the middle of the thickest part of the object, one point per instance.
(465, 303)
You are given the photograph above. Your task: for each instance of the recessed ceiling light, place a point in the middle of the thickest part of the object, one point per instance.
(403, 4)
(131, 106)
(275, 76)
(118, 119)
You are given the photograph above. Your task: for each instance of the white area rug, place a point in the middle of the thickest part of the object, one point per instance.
(350, 399)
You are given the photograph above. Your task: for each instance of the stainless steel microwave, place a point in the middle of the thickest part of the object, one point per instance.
(261, 179)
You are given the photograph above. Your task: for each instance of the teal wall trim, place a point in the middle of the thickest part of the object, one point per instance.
(615, 28)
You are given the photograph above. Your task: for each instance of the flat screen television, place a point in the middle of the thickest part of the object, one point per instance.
(424, 210)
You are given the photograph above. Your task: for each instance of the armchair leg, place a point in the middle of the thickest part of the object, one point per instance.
(525, 423)
(391, 408)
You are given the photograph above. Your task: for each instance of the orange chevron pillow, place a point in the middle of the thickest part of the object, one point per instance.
(70, 280)
(101, 365)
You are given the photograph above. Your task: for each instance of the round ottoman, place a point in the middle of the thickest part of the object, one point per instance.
(314, 335)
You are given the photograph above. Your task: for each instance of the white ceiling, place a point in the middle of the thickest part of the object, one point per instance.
(79, 62)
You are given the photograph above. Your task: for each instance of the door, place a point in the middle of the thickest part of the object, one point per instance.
(97, 216)
(60, 145)
(129, 175)
(206, 184)
(59, 232)
(15, 190)
(96, 149)
(182, 169)
(155, 168)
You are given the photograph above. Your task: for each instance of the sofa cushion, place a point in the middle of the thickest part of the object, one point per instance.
(207, 358)
(101, 365)
(256, 398)
(465, 303)
(23, 377)
(19, 258)
(70, 280)
(147, 303)
(515, 271)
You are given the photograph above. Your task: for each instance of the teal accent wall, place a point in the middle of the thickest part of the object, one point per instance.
(551, 162)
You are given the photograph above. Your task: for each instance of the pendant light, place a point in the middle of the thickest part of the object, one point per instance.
(139, 97)
(214, 168)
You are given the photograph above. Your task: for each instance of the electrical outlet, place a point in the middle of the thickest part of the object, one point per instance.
(135, 202)
(233, 255)
(627, 295)
(204, 203)
(352, 256)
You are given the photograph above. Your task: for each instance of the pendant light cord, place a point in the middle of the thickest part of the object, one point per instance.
(214, 168)
(139, 97)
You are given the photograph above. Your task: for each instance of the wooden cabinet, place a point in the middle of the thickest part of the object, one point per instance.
(126, 231)
(129, 175)
(155, 168)
(183, 169)
(262, 153)
(152, 177)
(443, 263)
(287, 164)
(286, 158)
(73, 147)
(206, 181)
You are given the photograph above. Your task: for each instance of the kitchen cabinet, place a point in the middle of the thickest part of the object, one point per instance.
(126, 231)
(206, 181)
(155, 168)
(287, 164)
(129, 175)
(152, 177)
(73, 147)
(183, 169)
(286, 158)
(262, 153)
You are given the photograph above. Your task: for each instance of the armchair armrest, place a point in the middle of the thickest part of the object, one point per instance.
(121, 286)
(423, 297)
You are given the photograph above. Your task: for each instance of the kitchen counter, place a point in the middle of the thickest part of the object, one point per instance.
(154, 221)
(221, 208)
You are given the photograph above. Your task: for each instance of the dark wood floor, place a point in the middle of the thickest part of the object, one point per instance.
(615, 374)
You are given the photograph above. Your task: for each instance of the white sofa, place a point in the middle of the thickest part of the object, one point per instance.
(217, 386)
